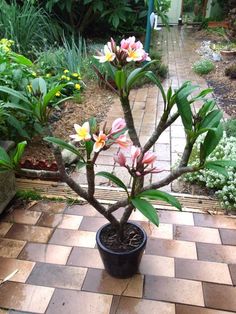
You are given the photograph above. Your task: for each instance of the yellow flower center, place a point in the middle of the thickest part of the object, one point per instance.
(82, 132)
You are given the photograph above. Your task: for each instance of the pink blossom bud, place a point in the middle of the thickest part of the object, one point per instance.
(149, 158)
(123, 141)
(135, 152)
(120, 159)
(118, 125)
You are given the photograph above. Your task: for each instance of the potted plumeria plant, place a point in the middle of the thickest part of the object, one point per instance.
(120, 242)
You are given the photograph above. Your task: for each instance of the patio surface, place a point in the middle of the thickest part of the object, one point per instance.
(189, 265)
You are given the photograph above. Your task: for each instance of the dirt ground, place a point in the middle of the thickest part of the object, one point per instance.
(95, 103)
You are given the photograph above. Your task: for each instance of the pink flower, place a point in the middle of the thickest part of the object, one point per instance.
(149, 158)
(120, 159)
(118, 125)
(125, 43)
(145, 57)
(108, 54)
(135, 153)
(100, 141)
(123, 141)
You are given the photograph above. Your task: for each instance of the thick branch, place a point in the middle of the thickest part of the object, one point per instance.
(129, 120)
(90, 179)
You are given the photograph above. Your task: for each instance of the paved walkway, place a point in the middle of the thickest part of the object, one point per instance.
(178, 49)
(189, 265)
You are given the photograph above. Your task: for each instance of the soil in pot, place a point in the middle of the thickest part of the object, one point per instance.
(121, 258)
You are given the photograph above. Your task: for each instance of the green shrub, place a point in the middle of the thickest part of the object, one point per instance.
(203, 66)
(231, 71)
(230, 127)
(225, 187)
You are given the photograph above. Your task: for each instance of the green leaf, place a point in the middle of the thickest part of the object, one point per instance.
(160, 195)
(18, 106)
(156, 81)
(17, 125)
(202, 94)
(146, 209)
(211, 140)
(120, 79)
(183, 105)
(93, 125)
(14, 93)
(211, 120)
(64, 145)
(221, 170)
(39, 86)
(112, 178)
(89, 147)
(206, 107)
(19, 152)
(21, 59)
(223, 163)
(4, 157)
(51, 94)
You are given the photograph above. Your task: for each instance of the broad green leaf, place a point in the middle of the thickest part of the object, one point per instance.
(146, 209)
(183, 105)
(14, 93)
(64, 145)
(18, 106)
(51, 94)
(211, 140)
(202, 94)
(17, 125)
(112, 178)
(120, 79)
(206, 107)
(211, 120)
(156, 81)
(4, 157)
(223, 163)
(19, 152)
(21, 59)
(160, 195)
(169, 94)
(39, 86)
(221, 170)
(89, 147)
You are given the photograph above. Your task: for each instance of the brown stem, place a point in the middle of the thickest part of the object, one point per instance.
(129, 120)
(90, 178)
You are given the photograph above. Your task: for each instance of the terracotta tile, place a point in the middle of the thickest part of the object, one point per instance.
(69, 301)
(187, 309)
(177, 218)
(228, 236)
(157, 266)
(49, 207)
(164, 231)
(29, 233)
(173, 290)
(85, 257)
(46, 253)
(202, 271)
(197, 234)
(4, 228)
(82, 210)
(24, 297)
(218, 221)
(61, 221)
(92, 223)
(233, 273)
(57, 276)
(73, 238)
(127, 305)
(216, 253)
(171, 248)
(11, 248)
(220, 297)
(8, 266)
(23, 216)
(98, 280)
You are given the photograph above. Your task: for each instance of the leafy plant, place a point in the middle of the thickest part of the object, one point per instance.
(203, 66)
(224, 184)
(10, 162)
(28, 26)
(230, 127)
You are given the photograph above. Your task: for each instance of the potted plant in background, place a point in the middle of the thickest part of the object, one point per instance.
(121, 243)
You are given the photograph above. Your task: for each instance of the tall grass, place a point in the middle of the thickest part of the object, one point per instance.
(29, 27)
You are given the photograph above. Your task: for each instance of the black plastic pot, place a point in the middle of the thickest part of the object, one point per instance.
(121, 264)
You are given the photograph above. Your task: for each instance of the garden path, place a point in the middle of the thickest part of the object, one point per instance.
(178, 50)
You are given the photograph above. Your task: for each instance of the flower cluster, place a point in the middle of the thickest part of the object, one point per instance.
(5, 44)
(137, 160)
(129, 50)
(103, 139)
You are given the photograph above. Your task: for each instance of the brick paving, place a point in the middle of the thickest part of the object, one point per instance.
(189, 265)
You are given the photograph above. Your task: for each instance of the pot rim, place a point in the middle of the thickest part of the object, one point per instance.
(120, 253)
